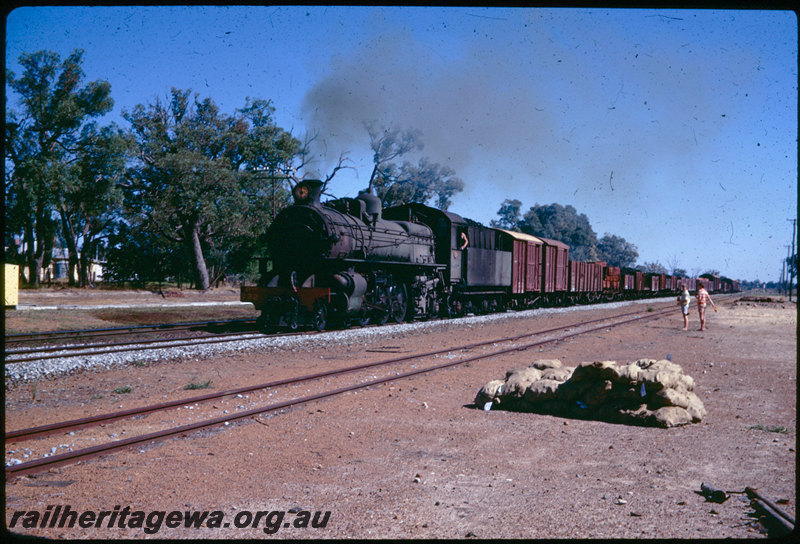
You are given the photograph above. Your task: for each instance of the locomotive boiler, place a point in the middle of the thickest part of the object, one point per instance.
(341, 261)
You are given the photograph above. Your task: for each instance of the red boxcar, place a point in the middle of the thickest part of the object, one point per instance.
(585, 277)
(526, 261)
(555, 267)
(641, 284)
(711, 283)
(628, 279)
(612, 278)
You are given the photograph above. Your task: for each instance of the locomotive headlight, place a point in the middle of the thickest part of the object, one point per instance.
(307, 192)
(301, 191)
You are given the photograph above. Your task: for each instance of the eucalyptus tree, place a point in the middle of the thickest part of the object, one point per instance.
(616, 251)
(90, 201)
(653, 268)
(408, 182)
(509, 215)
(42, 140)
(565, 224)
(199, 177)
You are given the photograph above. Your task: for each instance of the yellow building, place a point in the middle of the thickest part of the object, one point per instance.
(10, 285)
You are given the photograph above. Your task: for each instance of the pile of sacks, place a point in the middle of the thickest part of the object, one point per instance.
(645, 392)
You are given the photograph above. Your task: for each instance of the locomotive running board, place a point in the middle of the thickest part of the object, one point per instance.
(307, 295)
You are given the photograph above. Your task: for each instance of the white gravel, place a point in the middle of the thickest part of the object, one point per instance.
(20, 373)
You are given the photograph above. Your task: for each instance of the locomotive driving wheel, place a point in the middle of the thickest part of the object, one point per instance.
(319, 317)
(362, 320)
(382, 309)
(398, 301)
(291, 317)
(262, 322)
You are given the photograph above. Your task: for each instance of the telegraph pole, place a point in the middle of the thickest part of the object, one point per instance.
(782, 281)
(792, 258)
(785, 272)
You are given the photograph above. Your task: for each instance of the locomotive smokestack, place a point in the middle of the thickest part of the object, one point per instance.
(308, 192)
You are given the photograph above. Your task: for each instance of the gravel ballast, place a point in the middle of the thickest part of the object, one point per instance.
(21, 373)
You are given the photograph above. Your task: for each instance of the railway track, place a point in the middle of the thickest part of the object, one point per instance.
(85, 335)
(144, 341)
(78, 334)
(285, 387)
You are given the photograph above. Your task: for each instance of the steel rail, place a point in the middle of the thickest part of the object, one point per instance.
(771, 509)
(97, 350)
(90, 350)
(46, 463)
(112, 331)
(179, 343)
(76, 347)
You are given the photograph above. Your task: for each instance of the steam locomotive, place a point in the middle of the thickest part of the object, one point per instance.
(351, 261)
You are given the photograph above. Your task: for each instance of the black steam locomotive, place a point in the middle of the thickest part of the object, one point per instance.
(351, 261)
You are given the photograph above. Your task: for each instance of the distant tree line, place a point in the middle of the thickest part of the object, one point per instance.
(565, 224)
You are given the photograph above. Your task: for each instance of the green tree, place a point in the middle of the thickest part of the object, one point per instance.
(509, 214)
(400, 184)
(653, 268)
(41, 141)
(199, 177)
(616, 251)
(139, 256)
(565, 224)
(91, 197)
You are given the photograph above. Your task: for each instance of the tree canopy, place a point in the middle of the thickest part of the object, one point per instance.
(195, 182)
(49, 145)
(184, 184)
(653, 268)
(616, 251)
(400, 184)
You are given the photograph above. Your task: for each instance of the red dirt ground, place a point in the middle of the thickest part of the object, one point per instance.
(414, 459)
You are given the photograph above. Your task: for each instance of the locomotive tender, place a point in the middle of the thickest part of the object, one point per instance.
(350, 260)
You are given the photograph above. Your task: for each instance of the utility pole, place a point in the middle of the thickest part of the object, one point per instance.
(270, 174)
(792, 258)
(782, 282)
(783, 275)
(785, 271)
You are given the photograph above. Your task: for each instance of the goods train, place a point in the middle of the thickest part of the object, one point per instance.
(351, 261)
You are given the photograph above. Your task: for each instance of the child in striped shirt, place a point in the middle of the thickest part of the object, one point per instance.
(703, 298)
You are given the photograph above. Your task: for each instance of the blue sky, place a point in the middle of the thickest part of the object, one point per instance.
(675, 129)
